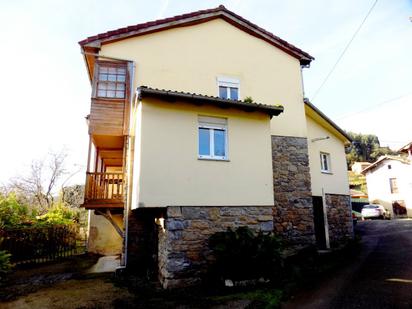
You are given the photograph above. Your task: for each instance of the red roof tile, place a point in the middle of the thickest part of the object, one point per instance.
(190, 18)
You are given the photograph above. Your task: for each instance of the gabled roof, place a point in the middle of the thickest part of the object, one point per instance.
(199, 99)
(383, 158)
(405, 148)
(196, 18)
(333, 126)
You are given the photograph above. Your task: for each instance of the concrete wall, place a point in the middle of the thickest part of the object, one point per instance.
(171, 173)
(191, 58)
(337, 181)
(103, 238)
(377, 180)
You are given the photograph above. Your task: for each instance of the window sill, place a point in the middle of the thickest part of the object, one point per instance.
(109, 99)
(213, 159)
(327, 172)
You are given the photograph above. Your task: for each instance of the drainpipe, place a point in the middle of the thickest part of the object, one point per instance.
(129, 191)
(325, 219)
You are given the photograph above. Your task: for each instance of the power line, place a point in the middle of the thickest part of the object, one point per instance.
(374, 106)
(344, 51)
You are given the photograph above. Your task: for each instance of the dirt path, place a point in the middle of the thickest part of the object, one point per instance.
(88, 293)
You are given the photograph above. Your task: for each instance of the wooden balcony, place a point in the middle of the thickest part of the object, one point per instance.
(104, 190)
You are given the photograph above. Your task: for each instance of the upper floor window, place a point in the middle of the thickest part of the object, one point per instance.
(111, 81)
(228, 88)
(393, 182)
(325, 162)
(212, 138)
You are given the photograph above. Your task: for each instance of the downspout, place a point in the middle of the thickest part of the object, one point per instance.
(127, 205)
(126, 208)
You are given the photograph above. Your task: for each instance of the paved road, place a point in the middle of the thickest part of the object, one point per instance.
(380, 277)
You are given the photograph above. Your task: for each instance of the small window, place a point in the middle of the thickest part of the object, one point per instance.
(212, 138)
(393, 182)
(111, 82)
(228, 88)
(325, 162)
(389, 166)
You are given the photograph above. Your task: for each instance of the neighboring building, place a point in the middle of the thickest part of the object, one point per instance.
(358, 167)
(389, 182)
(406, 150)
(177, 153)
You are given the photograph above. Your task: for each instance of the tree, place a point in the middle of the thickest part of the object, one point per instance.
(365, 148)
(72, 195)
(38, 186)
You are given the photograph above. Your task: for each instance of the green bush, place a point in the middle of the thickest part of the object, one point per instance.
(59, 214)
(5, 264)
(243, 255)
(12, 214)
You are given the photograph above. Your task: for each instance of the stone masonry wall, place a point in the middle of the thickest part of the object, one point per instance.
(339, 212)
(293, 212)
(183, 244)
(143, 242)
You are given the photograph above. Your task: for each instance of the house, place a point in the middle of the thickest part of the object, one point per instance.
(358, 167)
(198, 124)
(389, 182)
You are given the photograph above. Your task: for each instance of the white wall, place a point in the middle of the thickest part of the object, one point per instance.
(379, 186)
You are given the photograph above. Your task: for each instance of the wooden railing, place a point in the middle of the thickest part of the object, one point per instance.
(104, 186)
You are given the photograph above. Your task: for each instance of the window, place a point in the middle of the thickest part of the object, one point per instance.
(228, 88)
(394, 185)
(212, 138)
(111, 81)
(389, 166)
(325, 162)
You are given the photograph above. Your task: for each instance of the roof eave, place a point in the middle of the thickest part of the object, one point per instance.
(196, 18)
(328, 120)
(144, 91)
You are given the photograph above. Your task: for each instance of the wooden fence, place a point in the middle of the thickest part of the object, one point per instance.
(41, 244)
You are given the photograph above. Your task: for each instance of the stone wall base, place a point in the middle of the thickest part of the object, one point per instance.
(340, 222)
(293, 212)
(184, 254)
(142, 244)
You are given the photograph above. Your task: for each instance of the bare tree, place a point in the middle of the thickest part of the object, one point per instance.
(38, 186)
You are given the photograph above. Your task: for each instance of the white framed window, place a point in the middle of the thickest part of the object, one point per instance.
(325, 162)
(228, 88)
(212, 138)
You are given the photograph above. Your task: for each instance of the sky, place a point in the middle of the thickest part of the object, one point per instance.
(46, 92)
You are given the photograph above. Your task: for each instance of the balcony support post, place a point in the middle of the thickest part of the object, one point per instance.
(108, 216)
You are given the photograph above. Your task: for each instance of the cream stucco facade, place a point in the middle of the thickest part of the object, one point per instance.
(191, 59)
(171, 174)
(103, 238)
(271, 158)
(335, 182)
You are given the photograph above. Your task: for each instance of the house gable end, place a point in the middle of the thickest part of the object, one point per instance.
(193, 19)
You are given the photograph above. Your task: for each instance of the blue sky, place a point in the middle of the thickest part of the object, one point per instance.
(46, 93)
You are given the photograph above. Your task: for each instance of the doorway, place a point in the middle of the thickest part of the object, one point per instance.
(319, 220)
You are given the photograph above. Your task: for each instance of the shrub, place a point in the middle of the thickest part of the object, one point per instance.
(242, 254)
(12, 213)
(59, 214)
(5, 264)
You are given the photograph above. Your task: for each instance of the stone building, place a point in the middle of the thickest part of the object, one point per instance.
(198, 124)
